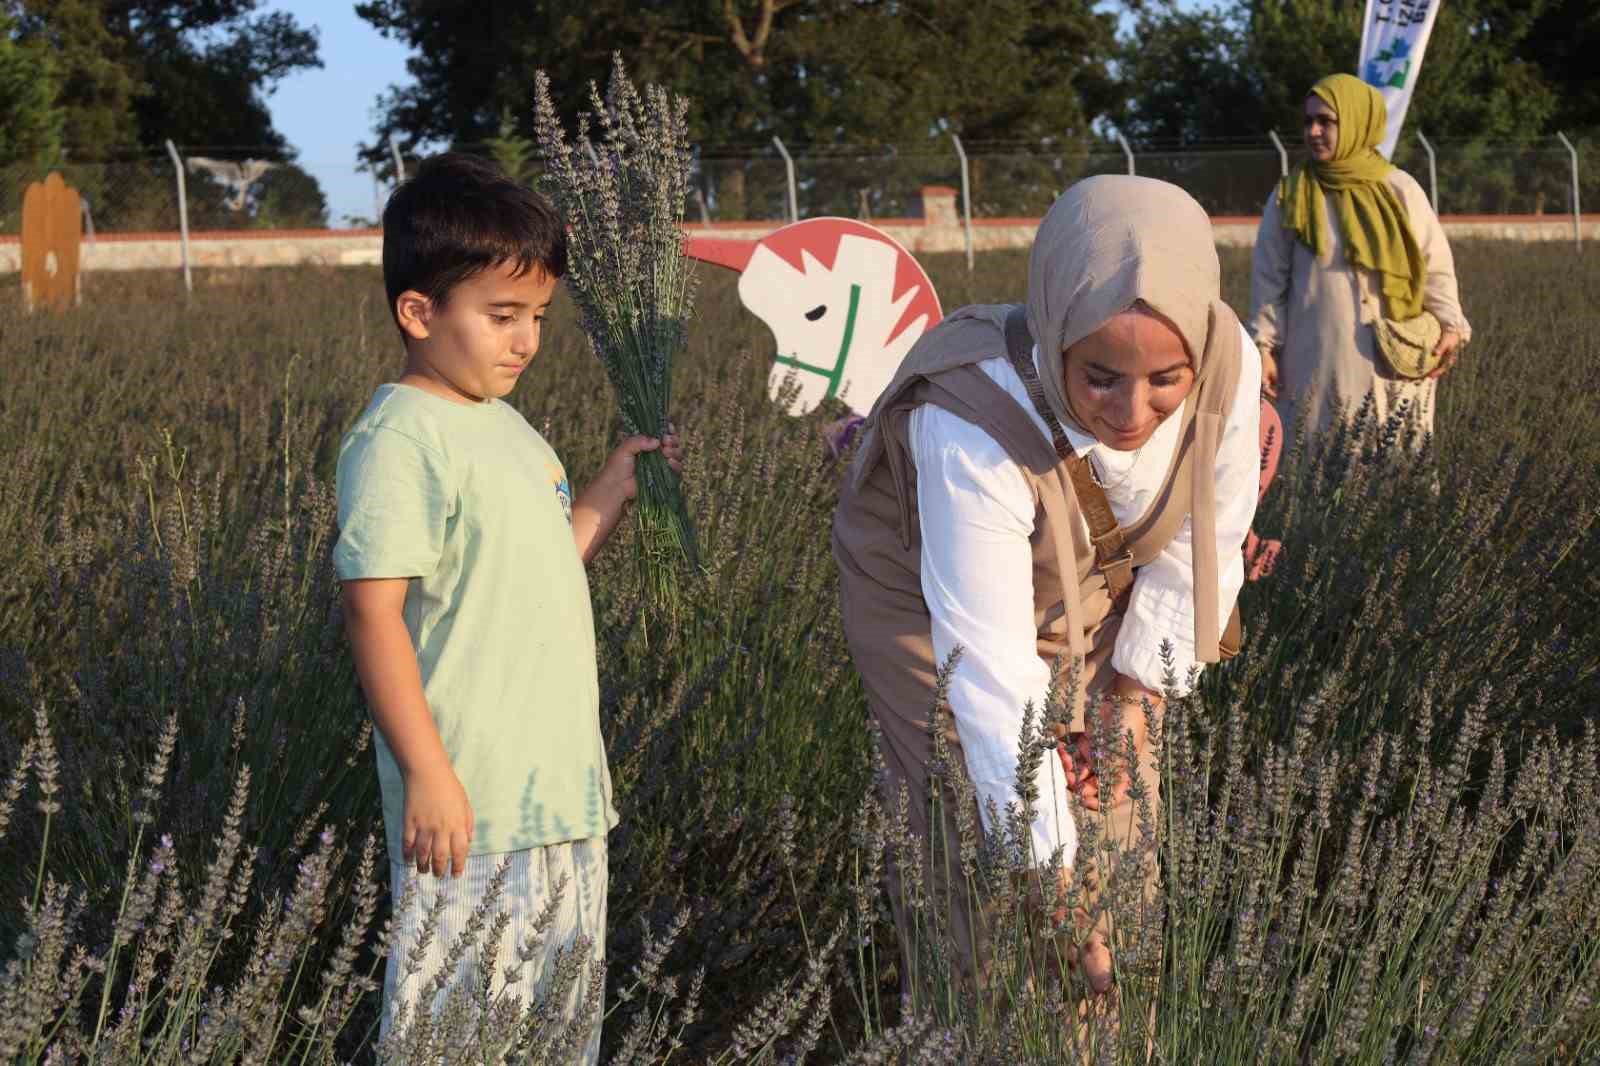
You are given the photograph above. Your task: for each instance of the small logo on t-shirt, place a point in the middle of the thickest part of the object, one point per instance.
(564, 494)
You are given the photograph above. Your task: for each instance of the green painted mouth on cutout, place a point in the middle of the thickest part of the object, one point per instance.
(836, 375)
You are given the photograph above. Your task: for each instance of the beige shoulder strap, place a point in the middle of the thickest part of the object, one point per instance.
(1112, 556)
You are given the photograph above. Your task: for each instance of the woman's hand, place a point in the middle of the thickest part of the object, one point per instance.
(1122, 710)
(1085, 949)
(1448, 350)
(1269, 371)
(1077, 759)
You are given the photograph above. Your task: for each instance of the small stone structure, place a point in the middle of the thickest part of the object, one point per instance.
(939, 206)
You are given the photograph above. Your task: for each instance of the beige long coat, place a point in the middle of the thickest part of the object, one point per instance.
(1318, 314)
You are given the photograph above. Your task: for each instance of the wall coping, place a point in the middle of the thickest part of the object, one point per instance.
(702, 227)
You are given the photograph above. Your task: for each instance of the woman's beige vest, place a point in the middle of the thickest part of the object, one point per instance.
(877, 533)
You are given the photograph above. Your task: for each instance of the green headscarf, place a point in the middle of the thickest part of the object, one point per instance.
(1372, 219)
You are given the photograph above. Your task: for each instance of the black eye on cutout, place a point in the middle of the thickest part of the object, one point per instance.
(816, 312)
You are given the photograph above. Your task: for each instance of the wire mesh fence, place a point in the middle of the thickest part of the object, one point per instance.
(233, 188)
(1475, 178)
(225, 188)
(1015, 180)
(132, 194)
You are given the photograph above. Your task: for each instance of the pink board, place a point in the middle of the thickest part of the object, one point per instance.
(844, 300)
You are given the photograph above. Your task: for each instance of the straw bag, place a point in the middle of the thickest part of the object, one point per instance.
(1408, 347)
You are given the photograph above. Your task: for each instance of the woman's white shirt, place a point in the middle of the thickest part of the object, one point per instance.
(977, 513)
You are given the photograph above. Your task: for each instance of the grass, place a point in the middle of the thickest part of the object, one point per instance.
(1381, 826)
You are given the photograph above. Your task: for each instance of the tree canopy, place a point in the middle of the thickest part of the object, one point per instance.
(126, 73)
(90, 81)
(812, 71)
(872, 71)
(1502, 69)
(30, 115)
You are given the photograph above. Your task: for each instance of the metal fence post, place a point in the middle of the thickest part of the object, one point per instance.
(1577, 215)
(399, 164)
(788, 164)
(1126, 151)
(1433, 173)
(1283, 153)
(183, 213)
(966, 197)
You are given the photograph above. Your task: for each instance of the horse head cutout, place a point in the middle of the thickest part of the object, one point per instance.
(844, 300)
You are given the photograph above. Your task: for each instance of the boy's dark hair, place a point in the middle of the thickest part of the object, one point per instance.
(461, 215)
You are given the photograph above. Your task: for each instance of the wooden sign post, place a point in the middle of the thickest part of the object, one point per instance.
(52, 231)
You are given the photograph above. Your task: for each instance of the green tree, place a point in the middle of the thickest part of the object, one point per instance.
(208, 66)
(810, 70)
(1245, 68)
(896, 70)
(511, 150)
(136, 72)
(1188, 78)
(1562, 42)
(471, 64)
(1492, 74)
(130, 74)
(1475, 82)
(95, 79)
(30, 117)
(288, 198)
(824, 75)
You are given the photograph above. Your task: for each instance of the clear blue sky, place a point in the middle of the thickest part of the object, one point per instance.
(326, 113)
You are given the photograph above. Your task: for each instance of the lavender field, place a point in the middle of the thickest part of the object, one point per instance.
(1382, 834)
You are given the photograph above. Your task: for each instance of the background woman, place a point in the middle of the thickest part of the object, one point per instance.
(966, 520)
(1346, 238)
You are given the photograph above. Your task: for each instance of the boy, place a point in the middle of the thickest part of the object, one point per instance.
(461, 555)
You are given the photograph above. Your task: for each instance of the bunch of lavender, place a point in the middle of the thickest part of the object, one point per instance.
(622, 194)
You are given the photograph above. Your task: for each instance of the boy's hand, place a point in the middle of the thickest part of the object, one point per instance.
(438, 818)
(598, 509)
(616, 477)
(672, 448)
(438, 822)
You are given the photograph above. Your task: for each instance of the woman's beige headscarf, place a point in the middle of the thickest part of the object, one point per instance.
(1108, 243)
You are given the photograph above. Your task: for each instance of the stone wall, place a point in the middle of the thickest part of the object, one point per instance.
(938, 229)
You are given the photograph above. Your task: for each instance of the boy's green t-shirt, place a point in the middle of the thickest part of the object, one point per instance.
(471, 504)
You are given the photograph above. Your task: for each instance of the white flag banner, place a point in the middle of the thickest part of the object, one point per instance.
(1393, 39)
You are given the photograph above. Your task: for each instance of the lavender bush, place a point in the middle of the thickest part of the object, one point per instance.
(1379, 826)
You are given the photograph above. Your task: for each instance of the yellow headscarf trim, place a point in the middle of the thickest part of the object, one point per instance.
(1372, 218)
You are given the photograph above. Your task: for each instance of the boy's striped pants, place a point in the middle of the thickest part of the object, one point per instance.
(523, 964)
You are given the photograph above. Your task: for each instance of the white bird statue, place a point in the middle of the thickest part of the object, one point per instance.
(237, 176)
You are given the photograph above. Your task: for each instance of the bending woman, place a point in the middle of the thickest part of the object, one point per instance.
(966, 519)
(1343, 240)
